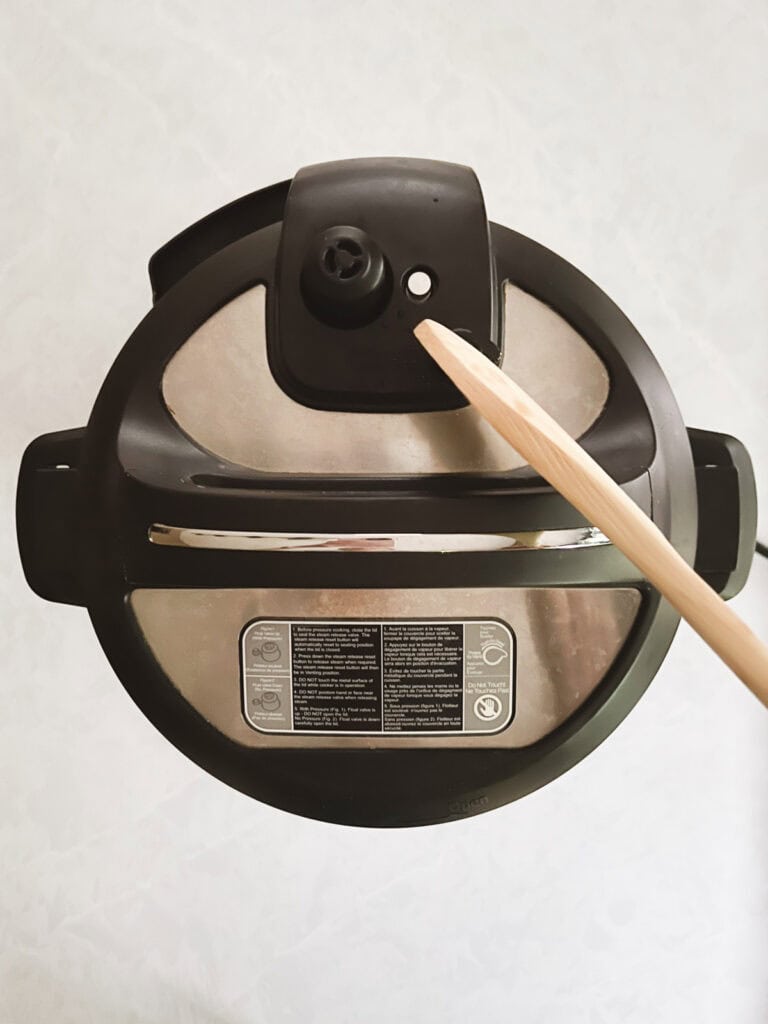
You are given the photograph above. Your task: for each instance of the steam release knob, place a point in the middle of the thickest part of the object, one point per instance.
(345, 277)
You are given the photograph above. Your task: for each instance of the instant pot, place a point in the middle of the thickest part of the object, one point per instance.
(316, 570)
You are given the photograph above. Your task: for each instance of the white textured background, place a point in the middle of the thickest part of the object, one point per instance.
(632, 139)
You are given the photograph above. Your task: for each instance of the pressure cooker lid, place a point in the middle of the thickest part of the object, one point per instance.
(312, 565)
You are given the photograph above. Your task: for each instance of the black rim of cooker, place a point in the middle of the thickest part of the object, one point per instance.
(197, 274)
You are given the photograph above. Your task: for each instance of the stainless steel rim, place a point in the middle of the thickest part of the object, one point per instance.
(446, 543)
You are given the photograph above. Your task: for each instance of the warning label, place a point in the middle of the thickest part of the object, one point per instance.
(423, 677)
(393, 677)
(336, 674)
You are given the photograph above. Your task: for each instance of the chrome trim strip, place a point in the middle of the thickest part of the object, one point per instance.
(233, 540)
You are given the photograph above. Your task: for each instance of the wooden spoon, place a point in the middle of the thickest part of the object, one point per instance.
(576, 475)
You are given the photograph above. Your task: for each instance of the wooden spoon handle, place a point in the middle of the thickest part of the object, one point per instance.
(576, 475)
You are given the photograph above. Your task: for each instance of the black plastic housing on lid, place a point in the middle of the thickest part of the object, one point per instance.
(341, 313)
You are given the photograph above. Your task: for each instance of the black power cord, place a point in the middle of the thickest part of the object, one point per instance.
(761, 549)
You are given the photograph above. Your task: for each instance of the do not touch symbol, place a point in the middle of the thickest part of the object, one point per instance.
(488, 707)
